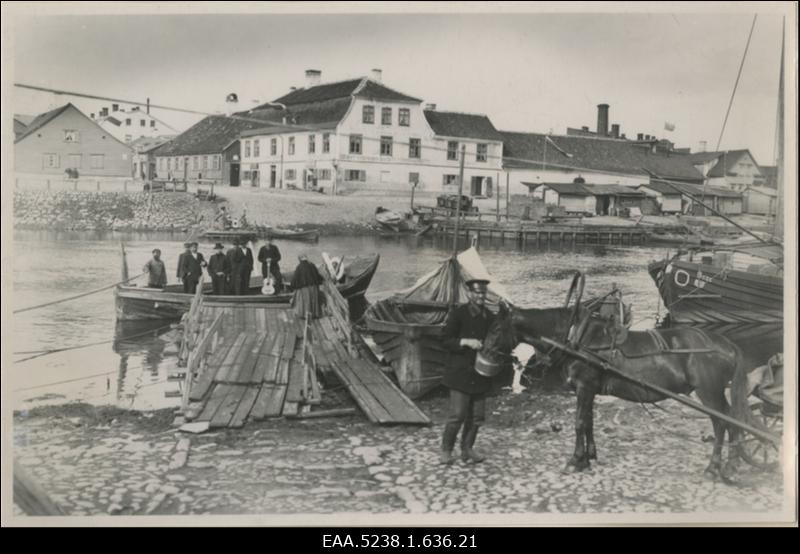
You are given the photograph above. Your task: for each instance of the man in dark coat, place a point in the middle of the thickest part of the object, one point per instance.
(192, 269)
(248, 268)
(236, 261)
(156, 272)
(186, 248)
(270, 256)
(219, 268)
(464, 333)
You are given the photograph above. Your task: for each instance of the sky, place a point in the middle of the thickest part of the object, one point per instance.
(527, 72)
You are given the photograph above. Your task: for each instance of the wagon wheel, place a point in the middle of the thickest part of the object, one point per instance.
(757, 452)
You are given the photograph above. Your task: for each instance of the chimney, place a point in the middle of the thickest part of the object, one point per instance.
(430, 107)
(703, 145)
(639, 136)
(92, 115)
(313, 77)
(103, 112)
(376, 74)
(615, 130)
(602, 120)
(148, 106)
(114, 107)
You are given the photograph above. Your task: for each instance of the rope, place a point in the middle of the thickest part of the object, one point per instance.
(55, 350)
(29, 308)
(736, 84)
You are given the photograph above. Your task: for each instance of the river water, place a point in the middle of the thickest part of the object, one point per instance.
(127, 365)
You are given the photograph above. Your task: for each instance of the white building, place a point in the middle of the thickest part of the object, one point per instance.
(733, 169)
(131, 124)
(360, 135)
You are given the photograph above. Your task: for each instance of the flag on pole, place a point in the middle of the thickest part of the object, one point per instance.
(669, 126)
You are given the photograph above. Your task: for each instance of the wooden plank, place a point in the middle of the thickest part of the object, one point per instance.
(290, 408)
(269, 402)
(218, 393)
(228, 372)
(224, 413)
(245, 373)
(30, 497)
(294, 389)
(289, 340)
(263, 359)
(245, 406)
(282, 377)
(206, 378)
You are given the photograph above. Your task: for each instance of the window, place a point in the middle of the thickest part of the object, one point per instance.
(247, 149)
(312, 144)
(71, 135)
(142, 123)
(355, 144)
(324, 174)
(152, 123)
(169, 163)
(128, 122)
(452, 150)
(207, 162)
(413, 177)
(482, 153)
(97, 161)
(368, 114)
(216, 162)
(386, 146)
(246, 175)
(386, 116)
(273, 147)
(75, 161)
(326, 142)
(291, 146)
(256, 148)
(414, 148)
(404, 117)
(290, 174)
(50, 160)
(355, 175)
(449, 180)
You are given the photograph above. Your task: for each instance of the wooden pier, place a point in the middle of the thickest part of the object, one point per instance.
(530, 235)
(251, 362)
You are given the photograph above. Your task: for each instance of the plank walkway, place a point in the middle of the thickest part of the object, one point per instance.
(257, 370)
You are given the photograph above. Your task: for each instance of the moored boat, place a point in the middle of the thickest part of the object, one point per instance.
(138, 303)
(310, 235)
(407, 327)
(737, 285)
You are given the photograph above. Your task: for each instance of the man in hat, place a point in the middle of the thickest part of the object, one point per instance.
(270, 256)
(219, 268)
(305, 284)
(156, 272)
(247, 268)
(235, 259)
(464, 333)
(192, 269)
(186, 248)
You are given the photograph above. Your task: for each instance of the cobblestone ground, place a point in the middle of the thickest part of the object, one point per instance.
(112, 462)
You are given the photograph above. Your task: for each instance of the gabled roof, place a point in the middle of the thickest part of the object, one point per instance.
(462, 125)
(24, 119)
(43, 119)
(532, 151)
(576, 189)
(214, 133)
(660, 187)
(145, 144)
(361, 87)
(727, 159)
(614, 190)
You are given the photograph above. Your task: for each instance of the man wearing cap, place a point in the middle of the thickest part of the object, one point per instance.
(156, 272)
(463, 335)
(270, 256)
(218, 268)
(186, 249)
(192, 269)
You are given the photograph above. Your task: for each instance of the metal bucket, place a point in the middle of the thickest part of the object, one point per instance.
(487, 367)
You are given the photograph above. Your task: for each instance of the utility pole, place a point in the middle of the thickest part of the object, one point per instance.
(454, 259)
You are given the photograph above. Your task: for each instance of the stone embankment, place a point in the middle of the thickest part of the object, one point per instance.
(78, 210)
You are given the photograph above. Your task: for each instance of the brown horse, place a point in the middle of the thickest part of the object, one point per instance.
(680, 360)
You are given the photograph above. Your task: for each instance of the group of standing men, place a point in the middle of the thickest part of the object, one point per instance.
(229, 271)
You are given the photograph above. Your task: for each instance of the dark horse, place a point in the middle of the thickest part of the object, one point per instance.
(680, 360)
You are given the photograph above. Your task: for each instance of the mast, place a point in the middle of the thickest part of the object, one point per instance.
(779, 161)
